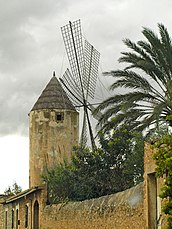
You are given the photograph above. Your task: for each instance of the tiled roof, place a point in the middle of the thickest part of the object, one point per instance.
(22, 194)
(53, 97)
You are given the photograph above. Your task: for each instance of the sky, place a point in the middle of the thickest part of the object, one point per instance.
(31, 48)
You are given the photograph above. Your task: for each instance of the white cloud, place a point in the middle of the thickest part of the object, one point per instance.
(31, 46)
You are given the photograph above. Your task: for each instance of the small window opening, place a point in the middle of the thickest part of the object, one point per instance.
(17, 219)
(12, 219)
(26, 216)
(6, 219)
(59, 117)
(36, 215)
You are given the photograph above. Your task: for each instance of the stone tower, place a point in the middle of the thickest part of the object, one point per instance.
(53, 130)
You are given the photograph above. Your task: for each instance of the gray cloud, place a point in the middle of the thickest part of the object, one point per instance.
(31, 45)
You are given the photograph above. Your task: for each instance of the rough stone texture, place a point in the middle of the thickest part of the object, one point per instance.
(51, 141)
(53, 131)
(149, 163)
(1, 215)
(152, 189)
(18, 204)
(123, 210)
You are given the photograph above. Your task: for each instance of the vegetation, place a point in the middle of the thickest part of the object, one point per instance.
(158, 133)
(147, 80)
(124, 151)
(145, 104)
(115, 166)
(135, 161)
(14, 189)
(163, 159)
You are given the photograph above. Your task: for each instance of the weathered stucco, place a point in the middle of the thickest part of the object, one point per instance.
(123, 210)
(16, 206)
(51, 140)
(152, 189)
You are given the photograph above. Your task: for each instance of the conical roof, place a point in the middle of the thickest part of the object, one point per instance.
(53, 97)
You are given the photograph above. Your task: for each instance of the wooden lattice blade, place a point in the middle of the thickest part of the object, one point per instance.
(83, 139)
(91, 63)
(72, 89)
(72, 37)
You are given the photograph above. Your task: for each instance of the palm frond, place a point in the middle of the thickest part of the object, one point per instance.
(147, 100)
(158, 49)
(107, 114)
(150, 68)
(167, 43)
(145, 53)
(130, 79)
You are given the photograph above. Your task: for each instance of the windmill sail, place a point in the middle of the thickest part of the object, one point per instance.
(72, 37)
(83, 140)
(91, 63)
(80, 83)
(69, 83)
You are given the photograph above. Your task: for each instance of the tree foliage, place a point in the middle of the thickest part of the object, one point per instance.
(109, 169)
(59, 181)
(14, 189)
(135, 161)
(124, 152)
(163, 159)
(158, 133)
(147, 80)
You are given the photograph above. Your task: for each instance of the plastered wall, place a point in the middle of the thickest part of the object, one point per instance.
(152, 189)
(123, 210)
(51, 141)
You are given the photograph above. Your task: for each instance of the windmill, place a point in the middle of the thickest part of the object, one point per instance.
(80, 82)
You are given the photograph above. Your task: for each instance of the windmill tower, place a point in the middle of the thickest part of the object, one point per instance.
(53, 130)
(80, 83)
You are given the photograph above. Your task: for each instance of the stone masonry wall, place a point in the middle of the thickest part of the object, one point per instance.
(1, 216)
(123, 210)
(152, 189)
(51, 141)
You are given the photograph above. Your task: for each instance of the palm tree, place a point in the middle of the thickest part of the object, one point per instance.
(147, 80)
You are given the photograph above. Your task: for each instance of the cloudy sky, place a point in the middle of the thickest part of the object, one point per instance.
(31, 48)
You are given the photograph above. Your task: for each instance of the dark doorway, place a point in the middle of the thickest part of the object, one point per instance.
(6, 219)
(152, 201)
(17, 218)
(36, 215)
